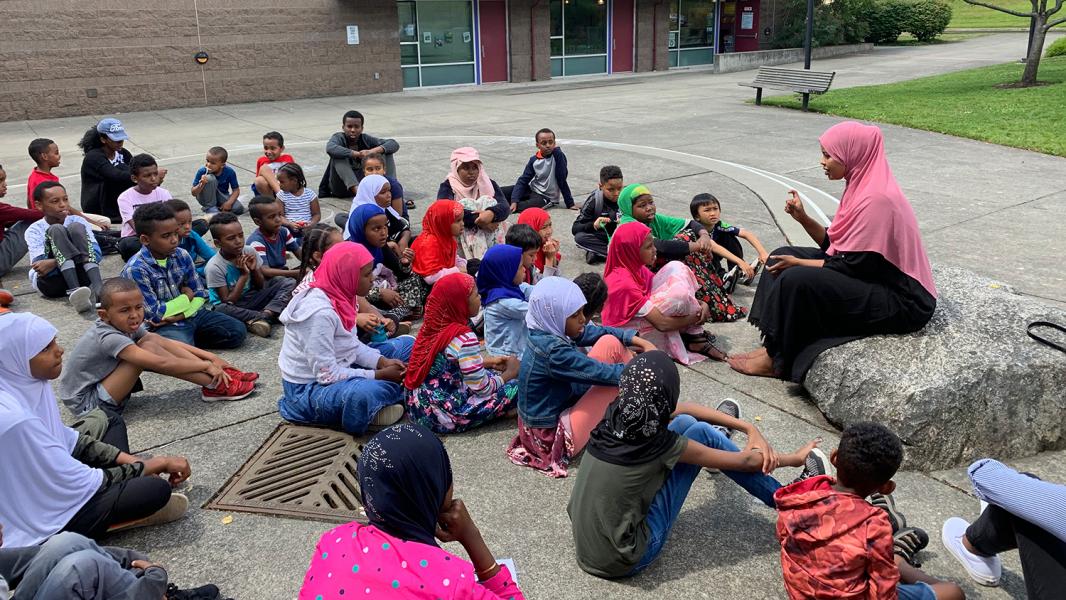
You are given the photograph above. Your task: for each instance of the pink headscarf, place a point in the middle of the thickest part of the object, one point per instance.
(874, 215)
(628, 278)
(481, 187)
(338, 277)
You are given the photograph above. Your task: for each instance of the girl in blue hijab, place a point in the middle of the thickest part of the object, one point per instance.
(395, 292)
(503, 299)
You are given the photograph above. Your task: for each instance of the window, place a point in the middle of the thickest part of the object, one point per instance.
(578, 37)
(436, 42)
(691, 39)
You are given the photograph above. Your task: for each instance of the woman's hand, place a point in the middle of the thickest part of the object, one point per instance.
(787, 261)
(390, 297)
(641, 345)
(484, 220)
(704, 244)
(794, 206)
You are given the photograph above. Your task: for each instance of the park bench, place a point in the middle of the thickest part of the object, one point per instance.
(798, 80)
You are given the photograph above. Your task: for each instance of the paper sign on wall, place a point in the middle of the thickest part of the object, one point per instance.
(353, 35)
(747, 20)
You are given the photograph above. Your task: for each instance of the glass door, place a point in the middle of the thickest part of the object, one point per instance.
(436, 42)
(578, 37)
(691, 38)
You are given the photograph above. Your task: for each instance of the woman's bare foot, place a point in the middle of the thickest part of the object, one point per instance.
(750, 353)
(757, 365)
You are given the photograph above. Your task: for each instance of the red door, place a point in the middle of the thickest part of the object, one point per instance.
(747, 26)
(622, 36)
(493, 26)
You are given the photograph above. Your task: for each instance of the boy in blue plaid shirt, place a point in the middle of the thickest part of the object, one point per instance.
(174, 295)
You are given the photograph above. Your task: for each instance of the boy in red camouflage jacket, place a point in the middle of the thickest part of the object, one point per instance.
(836, 545)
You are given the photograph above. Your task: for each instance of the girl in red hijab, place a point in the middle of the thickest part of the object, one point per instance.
(435, 249)
(661, 306)
(450, 387)
(548, 257)
(870, 274)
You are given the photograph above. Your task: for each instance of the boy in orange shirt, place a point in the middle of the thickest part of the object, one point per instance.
(836, 545)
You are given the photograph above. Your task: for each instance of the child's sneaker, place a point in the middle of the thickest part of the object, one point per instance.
(259, 327)
(730, 407)
(241, 375)
(729, 280)
(817, 463)
(908, 543)
(174, 509)
(985, 570)
(387, 416)
(81, 299)
(204, 592)
(887, 504)
(234, 390)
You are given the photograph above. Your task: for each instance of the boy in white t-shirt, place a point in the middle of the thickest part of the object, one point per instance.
(144, 172)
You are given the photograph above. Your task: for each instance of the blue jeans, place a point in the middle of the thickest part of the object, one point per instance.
(350, 404)
(915, 591)
(667, 503)
(207, 329)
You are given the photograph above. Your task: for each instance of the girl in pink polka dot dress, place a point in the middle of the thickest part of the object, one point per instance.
(406, 481)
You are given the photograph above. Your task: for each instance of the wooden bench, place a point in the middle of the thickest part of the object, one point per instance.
(798, 80)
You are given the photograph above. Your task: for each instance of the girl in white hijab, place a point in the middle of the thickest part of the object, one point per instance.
(51, 477)
(563, 392)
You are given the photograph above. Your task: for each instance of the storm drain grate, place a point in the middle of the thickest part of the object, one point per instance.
(299, 472)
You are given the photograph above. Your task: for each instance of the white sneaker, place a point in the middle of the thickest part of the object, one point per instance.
(81, 299)
(984, 570)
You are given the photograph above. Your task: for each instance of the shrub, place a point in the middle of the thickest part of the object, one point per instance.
(927, 19)
(839, 22)
(888, 19)
(1056, 49)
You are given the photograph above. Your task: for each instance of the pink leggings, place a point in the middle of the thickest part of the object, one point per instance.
(589, 410)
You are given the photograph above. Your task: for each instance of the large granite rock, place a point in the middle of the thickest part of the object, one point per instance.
(970, 384)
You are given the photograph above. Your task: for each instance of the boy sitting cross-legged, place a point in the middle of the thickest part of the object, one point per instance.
(105, 366)
(174, 294)
(236, 282)
(835, 544)
(272, 239)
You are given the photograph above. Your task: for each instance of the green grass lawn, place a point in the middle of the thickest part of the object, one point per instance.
(968, 15)
(966, 103)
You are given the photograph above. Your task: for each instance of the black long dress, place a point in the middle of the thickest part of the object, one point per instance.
(804, 311)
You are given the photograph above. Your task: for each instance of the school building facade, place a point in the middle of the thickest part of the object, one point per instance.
(110, 56)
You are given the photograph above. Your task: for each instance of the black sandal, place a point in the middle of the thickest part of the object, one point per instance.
(411, 204)
(707, 348)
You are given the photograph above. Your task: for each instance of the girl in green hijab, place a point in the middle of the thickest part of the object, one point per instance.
(683, 240)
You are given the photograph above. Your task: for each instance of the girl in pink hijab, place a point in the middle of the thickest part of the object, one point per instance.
(870, 274)
(484, 205)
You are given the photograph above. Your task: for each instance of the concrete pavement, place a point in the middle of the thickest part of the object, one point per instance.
(995, 210)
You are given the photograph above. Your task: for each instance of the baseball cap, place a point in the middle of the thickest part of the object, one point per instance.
(113, 129)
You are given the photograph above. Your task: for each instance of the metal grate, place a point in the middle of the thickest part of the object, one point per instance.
(299, 472)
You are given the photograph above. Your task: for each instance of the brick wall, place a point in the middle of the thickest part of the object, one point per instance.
(134, 56)
(653, 29)
(520, 13)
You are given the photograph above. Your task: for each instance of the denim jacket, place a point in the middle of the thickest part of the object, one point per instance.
(554, 373)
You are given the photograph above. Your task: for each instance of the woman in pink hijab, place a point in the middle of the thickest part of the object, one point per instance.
(870, 274)
(468, 180)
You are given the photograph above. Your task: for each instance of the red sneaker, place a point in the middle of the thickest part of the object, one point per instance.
(236, 390)
(241, 375)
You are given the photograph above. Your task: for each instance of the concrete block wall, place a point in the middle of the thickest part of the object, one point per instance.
(653, 29)
(529, 62)
(108, 56)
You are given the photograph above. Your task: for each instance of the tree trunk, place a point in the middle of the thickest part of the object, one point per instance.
(1036, 49)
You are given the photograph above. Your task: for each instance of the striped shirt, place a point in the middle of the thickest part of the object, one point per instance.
(298, 208)
(479, 381)
(1040, 502)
